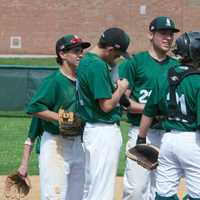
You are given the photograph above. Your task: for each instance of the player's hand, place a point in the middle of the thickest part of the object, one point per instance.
(122, 84)
(23, 170)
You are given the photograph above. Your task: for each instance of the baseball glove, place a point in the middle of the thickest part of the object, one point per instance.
(16, 186)
(145, 155)
(70, 124)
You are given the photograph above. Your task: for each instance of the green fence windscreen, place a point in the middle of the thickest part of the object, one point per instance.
(18, 84)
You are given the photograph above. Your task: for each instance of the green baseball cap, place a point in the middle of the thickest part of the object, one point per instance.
(163, 23)
(70, 41)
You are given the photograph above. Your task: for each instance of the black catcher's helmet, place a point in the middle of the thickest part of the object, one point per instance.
(188, 47)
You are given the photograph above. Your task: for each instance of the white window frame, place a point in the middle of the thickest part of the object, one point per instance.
(15, 42)
(142, 9)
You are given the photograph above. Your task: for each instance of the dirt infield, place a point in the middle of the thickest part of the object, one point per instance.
(35, 191)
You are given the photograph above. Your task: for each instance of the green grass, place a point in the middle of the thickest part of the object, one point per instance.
(13, 114)
(124, 130)
(12, 136)
(28, 61)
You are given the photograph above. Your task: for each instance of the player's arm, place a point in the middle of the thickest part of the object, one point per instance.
(47, 115)
(35, 130)
(150, 111)
(23, 168)
(145, 124)
(135, 107)
(43, 100)
(127, 69)
(130, 105)
(108, 104)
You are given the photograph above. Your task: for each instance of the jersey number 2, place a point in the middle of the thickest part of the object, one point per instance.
(144, 95)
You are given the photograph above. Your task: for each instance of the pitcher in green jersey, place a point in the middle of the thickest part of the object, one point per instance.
(61, 159)
(141, 70)
(180, 107)
(99, 107)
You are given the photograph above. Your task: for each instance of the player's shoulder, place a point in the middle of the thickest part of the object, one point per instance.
(91, 59)
(51, 79)
(140, 54)
(182, 68)
(186, 75)
(50, 76)
(140, 57)
(134, 60)
(136, 56)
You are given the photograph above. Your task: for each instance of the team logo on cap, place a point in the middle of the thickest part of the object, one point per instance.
(75, 40)
(62, 47)
(152, 28)
(117, 46)
(168, 22)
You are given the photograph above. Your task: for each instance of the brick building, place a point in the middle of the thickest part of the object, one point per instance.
(32, 27)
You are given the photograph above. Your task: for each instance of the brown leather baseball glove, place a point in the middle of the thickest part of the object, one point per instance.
(70, 124)
(16, 186)
(145, 155)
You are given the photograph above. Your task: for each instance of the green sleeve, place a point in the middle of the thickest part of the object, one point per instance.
(100, 81)
(35, 129)
(127, 70)
(44, 98)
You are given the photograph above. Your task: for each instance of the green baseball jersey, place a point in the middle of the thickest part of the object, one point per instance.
(55, 91)
(187, 99)
(94, 83)
(141, 71)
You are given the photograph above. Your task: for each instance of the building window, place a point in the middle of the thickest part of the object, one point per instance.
(143, 9)
(15, 42)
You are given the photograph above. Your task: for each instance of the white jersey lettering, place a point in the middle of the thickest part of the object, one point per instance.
(144, 96)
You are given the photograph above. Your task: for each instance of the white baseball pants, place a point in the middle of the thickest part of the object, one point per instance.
(61, 164)
(102, 144)
(179, 156)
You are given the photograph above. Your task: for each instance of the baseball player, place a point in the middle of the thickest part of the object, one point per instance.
(98, 106)
(177, 98)
(141, 72)
(61, 160)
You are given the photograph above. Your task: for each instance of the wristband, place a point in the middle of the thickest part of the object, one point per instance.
(28, 142)
(141, 140)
